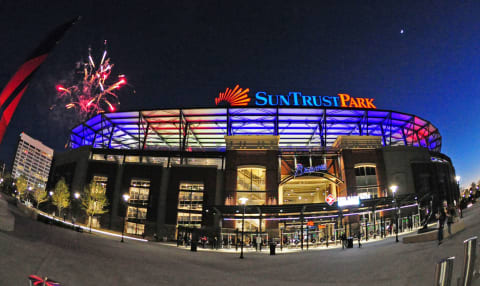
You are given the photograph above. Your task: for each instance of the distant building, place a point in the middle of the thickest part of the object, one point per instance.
(32, 160)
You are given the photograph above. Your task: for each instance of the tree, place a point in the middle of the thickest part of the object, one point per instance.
(61, 196)
(8, 184)
(94, 201)
(40, 196)
(22, 185)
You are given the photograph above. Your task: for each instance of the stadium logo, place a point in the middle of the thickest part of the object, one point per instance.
(296, 98)
(233, 97)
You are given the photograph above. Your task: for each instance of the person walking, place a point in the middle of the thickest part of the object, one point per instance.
(441, 215)
(450, 216)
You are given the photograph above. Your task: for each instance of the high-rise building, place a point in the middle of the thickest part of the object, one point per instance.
(32, 160)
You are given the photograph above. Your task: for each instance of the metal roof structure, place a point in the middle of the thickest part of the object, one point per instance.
(204, 129)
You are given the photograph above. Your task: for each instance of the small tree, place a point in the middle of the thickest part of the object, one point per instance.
(8, 184)
(22, 185)
(40, 196)
(61, 196)
(94, 201)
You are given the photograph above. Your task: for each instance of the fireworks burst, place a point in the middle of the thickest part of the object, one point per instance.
(94, 91)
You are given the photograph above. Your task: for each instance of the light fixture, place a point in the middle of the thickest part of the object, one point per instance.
(243, 200)
(76, 195)
(393, 188)
(126, 197)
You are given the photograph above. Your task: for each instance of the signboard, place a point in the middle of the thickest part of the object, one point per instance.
(348, 201)
(239, 97)
(300, 170)
(320, 226)
(330, 199)
(295, 98)
(310, 223)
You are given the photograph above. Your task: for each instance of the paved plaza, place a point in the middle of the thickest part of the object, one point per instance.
(84, 259)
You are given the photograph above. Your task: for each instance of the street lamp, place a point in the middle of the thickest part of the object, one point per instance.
(243, 201)
(126, 197)
(394, 188)
(457, 178)
(76, 195)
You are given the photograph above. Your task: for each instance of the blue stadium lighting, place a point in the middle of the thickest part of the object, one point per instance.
(204, 129)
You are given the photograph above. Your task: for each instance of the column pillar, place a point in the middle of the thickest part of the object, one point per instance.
(117, 196)
(162, 199)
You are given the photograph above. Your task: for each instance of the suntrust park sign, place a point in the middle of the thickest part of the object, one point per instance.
(239, 97)
(295, 98)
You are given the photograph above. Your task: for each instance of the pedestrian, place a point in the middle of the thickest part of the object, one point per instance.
(450, 216)
(441, 222)
(359, 242)
(344, 239)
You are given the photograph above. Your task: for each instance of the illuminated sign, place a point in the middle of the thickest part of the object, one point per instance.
(233, 97)
(295, 98)
(239, 97)
(348, 201)
(330, 199)
(300, 170)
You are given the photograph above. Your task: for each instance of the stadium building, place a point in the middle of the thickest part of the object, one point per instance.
(288, 165)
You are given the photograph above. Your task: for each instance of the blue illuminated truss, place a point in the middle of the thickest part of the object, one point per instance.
(204, 129)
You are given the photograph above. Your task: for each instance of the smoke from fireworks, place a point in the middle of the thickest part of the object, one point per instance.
(93, 91)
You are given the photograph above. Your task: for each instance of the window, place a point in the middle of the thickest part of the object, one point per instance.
(156, 160)
(101, 181)
(251, 185)
(204, 162)
(366, 181)
(190, 204)
(251, 179)
(136, 213)
(132, 159)
(134, 228)
(139, 192)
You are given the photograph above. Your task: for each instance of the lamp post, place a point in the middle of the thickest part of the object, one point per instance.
(126, 197)
(394, 188)
(243, 201)
(50, 208)
(457, 178)
(76, 195)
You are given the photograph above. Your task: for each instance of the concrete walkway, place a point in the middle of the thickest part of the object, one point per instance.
(83, 259)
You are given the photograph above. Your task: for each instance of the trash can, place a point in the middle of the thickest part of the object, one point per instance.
(193, 247)
(272, 248)
(350, 242)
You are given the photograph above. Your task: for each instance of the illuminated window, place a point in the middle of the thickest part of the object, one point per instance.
(136, 216)
(132, 159)
(101, 181)
(251, 185)
(134, 228)
(251, 179)
(139, 191)
(190, 204)
(136, 213)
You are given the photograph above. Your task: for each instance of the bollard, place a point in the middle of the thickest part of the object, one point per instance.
(469, 252)
(443, 272)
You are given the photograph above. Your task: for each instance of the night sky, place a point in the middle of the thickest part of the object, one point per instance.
(183, 53)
